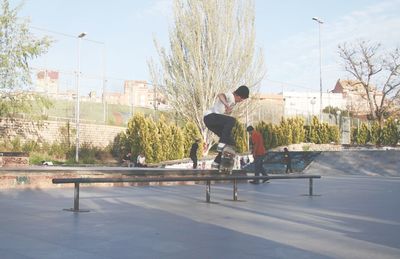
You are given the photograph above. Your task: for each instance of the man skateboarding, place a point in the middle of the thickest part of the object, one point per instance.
(217, 118)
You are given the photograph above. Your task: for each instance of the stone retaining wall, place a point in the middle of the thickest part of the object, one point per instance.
(35, 178)
(14, 159)
(58, 131)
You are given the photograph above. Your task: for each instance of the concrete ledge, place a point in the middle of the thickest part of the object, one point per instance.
(14, 159)
(42, 176)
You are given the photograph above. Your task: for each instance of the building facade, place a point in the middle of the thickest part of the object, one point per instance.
(355, 95)
(308, 103)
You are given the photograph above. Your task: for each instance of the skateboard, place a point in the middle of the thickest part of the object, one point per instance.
(227, 160)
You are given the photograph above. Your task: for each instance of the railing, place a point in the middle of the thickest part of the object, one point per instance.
(207, 179)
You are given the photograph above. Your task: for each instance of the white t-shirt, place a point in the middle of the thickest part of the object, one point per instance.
(141, 159)
(219, 107)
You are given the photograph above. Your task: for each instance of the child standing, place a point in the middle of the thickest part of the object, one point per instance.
(287, 159)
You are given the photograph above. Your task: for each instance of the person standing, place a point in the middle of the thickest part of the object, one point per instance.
(287, 159)
(217, 118)
(258, 151)
(193, 152)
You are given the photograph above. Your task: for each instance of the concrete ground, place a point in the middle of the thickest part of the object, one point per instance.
(351, 216)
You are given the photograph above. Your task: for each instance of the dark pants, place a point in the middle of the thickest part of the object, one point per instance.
(194, 159)
(222, 126)
(258, 166)
(289, 167)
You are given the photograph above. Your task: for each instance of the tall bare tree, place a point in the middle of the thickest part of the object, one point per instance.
(17, 48)
(212, 50)
(377, 72)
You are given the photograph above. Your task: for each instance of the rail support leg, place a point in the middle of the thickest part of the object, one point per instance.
(76, 197)
(76, 200)
(208, 191)
(310, 187)
(235, 194)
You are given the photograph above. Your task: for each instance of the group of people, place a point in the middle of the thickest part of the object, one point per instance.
(140, 160)
(218, 120)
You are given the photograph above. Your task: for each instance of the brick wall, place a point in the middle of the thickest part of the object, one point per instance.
(14, 159)
(56, 131)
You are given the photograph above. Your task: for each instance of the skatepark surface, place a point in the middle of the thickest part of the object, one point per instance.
(355, 213)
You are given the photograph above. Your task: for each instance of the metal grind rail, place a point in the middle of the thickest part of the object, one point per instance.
(207, 179)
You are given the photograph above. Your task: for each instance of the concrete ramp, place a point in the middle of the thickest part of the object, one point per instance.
(360, 162)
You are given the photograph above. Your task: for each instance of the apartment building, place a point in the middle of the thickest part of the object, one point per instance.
(354, 94)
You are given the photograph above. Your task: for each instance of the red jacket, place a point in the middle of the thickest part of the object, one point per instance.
(258, 143)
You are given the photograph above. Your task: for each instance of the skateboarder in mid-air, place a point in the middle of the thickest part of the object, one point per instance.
(218, 121)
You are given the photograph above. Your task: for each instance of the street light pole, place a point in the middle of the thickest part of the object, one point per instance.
(104, 85)
(80, 36)
(319, 21)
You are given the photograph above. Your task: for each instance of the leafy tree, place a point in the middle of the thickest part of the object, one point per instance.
(191, 133)
(378, 74)
(165, 139)
(143, 137)
(212, 51)
(275, 137)
(375, 135)
(363, 134)
(314, 131)
(286, 131)
(178, 143)
(17, 48)
(134, 141)
(267, 131)
(298, 131)
(333, 134)
(389, 133)
(240, 136)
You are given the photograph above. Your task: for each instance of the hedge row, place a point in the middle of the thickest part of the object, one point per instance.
(160, 141)
(293, 131)
(372, 133)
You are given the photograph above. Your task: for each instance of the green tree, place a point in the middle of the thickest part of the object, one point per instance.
(285, 132)
(142, 137)
(333, 134)
(17, 48)
(314, 131)
(375, 135)
(165, 139)
(363, 134)
(298, 131)
(267, 131)
(240, 136)
(191, 133)
(389, 133)
(177, 144)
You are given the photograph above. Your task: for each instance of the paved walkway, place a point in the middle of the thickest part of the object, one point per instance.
(354, 217)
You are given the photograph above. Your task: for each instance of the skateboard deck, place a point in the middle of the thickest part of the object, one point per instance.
(227, 160)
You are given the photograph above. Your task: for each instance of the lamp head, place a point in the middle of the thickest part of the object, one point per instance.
(318, 20)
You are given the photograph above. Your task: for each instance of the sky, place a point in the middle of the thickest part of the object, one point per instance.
(120, 38)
